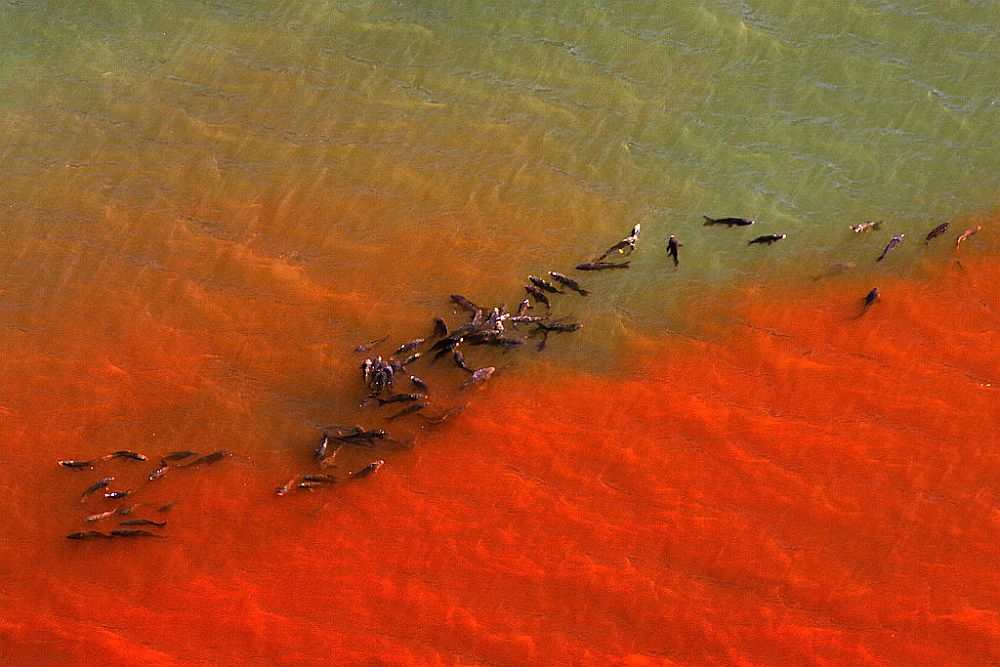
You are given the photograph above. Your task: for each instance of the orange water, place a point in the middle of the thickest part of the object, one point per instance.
(205, 207)
(788, 480)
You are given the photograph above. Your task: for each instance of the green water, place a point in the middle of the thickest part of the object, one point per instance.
(494, 138)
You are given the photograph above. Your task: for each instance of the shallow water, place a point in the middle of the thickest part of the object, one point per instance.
(207, 208)
(800, 484)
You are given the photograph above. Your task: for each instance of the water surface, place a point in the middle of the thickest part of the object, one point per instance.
(207, 207)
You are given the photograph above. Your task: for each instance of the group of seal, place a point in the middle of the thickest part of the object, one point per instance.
(489, 327)
(496, 326)
(128, 525)
(330, 444)
(875, 225)
(861, 228)
(381, 378)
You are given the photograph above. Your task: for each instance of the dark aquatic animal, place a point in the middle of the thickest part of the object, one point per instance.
(368, 469)
(134, 532)
(371, 345)
(627, 243)
(600, 266)
(210, 458)
(495, 338)
(483, 337)
(625, 246)
(77, 465)
(467, 328)
(400, 398)
(418, 383)
(672, 246)
(495, 321)
(767, 239)
(367, 369)
(321, 449)
(306, 484)
(319, 477)
(966, 234)
(937, 231)
(462, 302)
(729, 222)
(871, 297)
(406, 347)
(526, 319)
(159, 472)
(440, 327)
(447, 345)
(538, 295)
(506, 341)
(143, 522)
(115, 495)
(523, 308)
(356, 433)
(409, 410)
(377, 375)
(125, 454)
(87, 535)
(479, 377)
(895, 241)
(547, 327)
(99, 484)
(568, 282)
(410, 359)
(459, 358)
(867, 226)
(545, 285)
(98, 517)
(169, 506)
(446, 415)
(558, 326)
(177, 456)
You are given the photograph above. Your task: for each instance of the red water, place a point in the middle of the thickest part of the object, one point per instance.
(800, 483)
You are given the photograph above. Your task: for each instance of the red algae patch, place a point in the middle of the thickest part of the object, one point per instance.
(807, 481)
